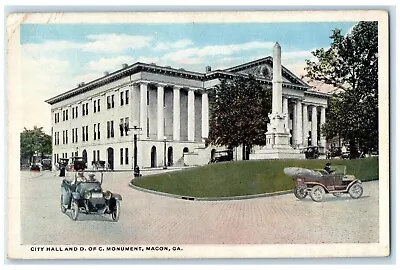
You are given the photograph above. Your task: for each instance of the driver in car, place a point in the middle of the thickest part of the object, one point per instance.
(328, 168)
(80, 177)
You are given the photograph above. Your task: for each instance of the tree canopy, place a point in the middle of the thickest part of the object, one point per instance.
(35, 141)
(351, 66)
(239, 112)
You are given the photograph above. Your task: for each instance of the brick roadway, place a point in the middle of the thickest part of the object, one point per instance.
(153, 219)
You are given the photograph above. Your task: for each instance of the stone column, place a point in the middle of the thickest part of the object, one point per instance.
(323, 141)
(177, 114)
(160, 112)
(305, 125)
(314, 141)
(143, 109)
(294, 124)
(285, 110)
(299, 125)
(277, 81)
(204, 115)
(191, 115)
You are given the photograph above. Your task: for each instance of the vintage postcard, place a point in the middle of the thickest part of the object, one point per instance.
(198, 135)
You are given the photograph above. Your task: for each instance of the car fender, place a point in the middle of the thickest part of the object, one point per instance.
(116, 196)
(352, 183)
(76, 195)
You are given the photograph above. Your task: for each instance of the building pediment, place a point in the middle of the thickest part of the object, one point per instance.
(263, 68)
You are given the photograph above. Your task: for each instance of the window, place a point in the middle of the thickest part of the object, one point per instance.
(73, 112)
(108, 129)
(87, 109)
(66, 137)
(121, 127)
(66, 115)
(94, 131)
(83, 134)
(87, 133)
(112, 101)
(63, 115)
(94, 156)
(108, 102)
(127, 97)
(98, 155)
(126, 156)
(112, 129)
(148, 97)
(95, 106)
(98, 131)
(148, 128)
(121, 156)
(126, 127)
(73, 135)
(121, 98)
(76, 134)
(98, 105)
(76, 112)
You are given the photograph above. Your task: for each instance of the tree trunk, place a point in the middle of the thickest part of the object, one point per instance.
(244, 152)
(353, 148)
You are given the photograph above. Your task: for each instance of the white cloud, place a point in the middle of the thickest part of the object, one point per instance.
(196, 55)
(111, 43)
(106, 43)
(43, 78)
(163, 46)
(109, 64)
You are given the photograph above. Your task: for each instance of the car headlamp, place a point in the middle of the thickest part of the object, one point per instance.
(107, 195)
(87, 195)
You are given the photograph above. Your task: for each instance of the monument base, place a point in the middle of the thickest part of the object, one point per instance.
(277, 153)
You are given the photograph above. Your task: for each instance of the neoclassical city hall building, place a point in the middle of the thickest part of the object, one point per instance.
(170, 109)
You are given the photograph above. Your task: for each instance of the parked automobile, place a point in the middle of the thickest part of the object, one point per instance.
(46, 164)
(85, 195)
(36, 167)
(221, 156)
(317, 183)
(311, 152)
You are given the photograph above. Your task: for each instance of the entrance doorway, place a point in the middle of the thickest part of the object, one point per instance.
(153, 162)
(170, 160)
(110, 158)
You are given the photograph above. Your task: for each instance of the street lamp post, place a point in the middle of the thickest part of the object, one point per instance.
(135, 128)
(165, 153)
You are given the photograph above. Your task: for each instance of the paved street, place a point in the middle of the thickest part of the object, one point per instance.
(152, 219)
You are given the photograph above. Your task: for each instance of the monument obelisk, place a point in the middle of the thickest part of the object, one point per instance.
(277, 136)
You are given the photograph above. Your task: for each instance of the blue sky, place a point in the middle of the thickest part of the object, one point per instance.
(56, 57)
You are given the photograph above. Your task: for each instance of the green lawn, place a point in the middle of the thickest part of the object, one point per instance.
(245, 177)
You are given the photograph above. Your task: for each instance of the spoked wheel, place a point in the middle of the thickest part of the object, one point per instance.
(356, 191)
(63, 209)
(317, 193)
(75, 210)
(300, 192)
(116, 210)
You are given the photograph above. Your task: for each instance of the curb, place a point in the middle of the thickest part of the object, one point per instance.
(242, 197)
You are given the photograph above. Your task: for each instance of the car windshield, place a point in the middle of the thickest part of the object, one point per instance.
(89, 185)
(339, 169)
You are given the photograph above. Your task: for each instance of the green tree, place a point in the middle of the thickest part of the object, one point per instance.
(33, 142)
(239, 113)
(351, 65)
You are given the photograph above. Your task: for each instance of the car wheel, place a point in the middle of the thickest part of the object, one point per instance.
(116, 210)
(63, 209)
(317, 193)
(75, 210)
(356, 191)
(300, 192)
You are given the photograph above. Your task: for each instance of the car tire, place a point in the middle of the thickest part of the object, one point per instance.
(63, 208)
(300, 192)
(317, 193)
(356, 191)
(116, 211)
(75, 210)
